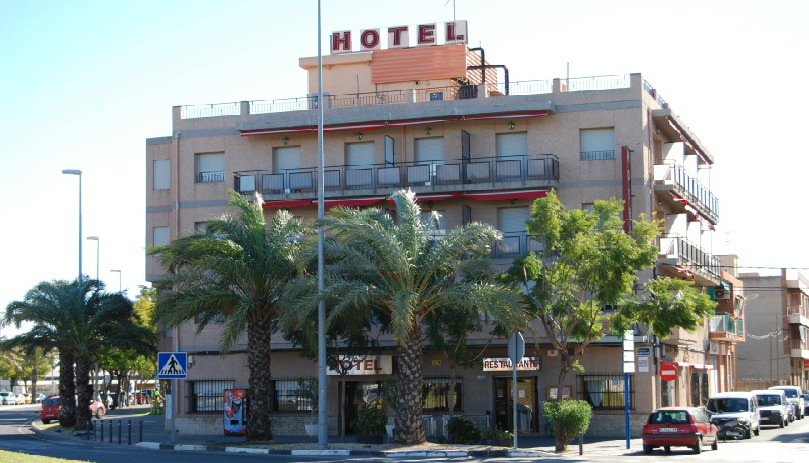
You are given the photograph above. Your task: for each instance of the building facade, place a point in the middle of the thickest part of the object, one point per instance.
(777, 347)
(473, 147)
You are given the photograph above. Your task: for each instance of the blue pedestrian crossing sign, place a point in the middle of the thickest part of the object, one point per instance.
(172, 365)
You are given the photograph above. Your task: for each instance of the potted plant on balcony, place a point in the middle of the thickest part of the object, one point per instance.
(370, 424)
(307, 389)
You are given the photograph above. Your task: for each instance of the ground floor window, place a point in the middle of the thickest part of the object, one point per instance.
(606, 391)
(700, 389)
(207, 395)
(438, 395)
(293, 395)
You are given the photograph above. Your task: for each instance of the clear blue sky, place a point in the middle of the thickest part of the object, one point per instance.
(86, 82)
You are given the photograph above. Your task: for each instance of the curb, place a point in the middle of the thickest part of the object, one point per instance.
(367, 453)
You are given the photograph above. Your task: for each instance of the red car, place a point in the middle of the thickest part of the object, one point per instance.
(677, 426)
(52, 405)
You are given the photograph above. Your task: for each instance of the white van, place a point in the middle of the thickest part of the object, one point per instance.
(773, 406)
(795, 398)
(742, 406)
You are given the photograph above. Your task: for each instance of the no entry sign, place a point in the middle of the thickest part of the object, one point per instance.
(668, 372)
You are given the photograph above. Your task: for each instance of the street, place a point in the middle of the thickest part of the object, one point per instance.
(774, 445)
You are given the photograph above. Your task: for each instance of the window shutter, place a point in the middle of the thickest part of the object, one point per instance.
(512, 219)
(286, 159)
(211, 162)
(512, 144)
(162, 178)
(597, 140)
(430, 149)
(360, 154)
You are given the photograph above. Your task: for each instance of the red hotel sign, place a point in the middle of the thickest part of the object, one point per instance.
(399, 37)
(504, 364)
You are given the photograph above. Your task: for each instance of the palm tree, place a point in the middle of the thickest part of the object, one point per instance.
(400, 275)
(78, 321)
(236, 268)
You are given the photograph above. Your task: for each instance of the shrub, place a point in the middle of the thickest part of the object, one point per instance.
(497, 435)
(370, 420)
(569, 417)
(462, 430)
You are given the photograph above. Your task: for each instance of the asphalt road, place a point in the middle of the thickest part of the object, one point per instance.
(774, 445)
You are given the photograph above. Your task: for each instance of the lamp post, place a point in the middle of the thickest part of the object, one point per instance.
(98, 252)
(119, 279)
(77, 172)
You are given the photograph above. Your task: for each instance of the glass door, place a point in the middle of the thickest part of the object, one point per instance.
(527, 404)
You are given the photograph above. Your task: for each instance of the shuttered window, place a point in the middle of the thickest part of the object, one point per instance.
(512, 144)
(162, 179)
(360, 154)
(597, 144)
(512, 219)
(430, 150)
(210, 167)
(286, 158)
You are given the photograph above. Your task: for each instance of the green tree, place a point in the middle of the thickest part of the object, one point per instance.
(78, 321)
(398, 275)
(236, 268)
(580, 284)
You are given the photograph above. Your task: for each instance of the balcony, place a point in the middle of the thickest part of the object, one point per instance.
(476, 174)
(681, 259)
(799, 348)
(515, 244)
(672, 177)
(727, 328)
(795, 314)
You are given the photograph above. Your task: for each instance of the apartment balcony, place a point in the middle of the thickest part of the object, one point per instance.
(795, 315)
(681, 259)
(681, 190)
(799, 348)
(515, 244)
(727, 328)
(534, 171)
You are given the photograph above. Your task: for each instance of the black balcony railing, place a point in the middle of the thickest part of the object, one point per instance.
(543, 167)
(597, 155)
(691, 256)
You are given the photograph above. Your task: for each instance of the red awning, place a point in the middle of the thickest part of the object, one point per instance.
(286, 204)
(351, 201)
(500, 195)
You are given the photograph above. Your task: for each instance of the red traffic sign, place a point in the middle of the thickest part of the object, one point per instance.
(668, 372)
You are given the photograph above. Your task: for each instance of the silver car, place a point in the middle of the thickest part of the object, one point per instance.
(8, 398)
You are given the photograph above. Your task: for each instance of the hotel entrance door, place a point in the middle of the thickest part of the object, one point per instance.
(527, 404)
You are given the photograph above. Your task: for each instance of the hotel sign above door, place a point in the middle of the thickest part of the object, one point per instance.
(349, 365)
(399, 37)
(504, 364)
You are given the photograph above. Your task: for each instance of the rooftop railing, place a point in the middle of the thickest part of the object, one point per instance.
(456, 92)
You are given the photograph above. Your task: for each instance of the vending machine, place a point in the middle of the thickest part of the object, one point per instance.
(235, 412)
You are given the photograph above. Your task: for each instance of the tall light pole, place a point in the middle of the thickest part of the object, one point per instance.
(119, 279)
(77, 172)
(322, 433)
(98, 282)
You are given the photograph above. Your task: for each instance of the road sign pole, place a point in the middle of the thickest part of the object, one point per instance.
(516, 351)
(173, 410)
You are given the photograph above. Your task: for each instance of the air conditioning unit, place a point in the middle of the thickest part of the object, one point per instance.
(720, 292)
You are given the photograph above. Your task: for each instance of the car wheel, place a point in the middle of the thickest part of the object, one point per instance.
(781, 424)
(698, 446)
(46, 421)
(748, 433)
(647, 449)
(667, 449)
(715, 445)
(757, 431)
(99, 413)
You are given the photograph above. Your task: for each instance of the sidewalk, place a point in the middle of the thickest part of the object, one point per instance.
(155, 436)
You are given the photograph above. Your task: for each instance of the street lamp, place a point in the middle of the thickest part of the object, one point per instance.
(77, 172)
(119, 279)
(98, 252)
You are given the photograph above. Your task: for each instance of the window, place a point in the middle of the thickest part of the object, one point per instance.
(290, 395)
(200, 226)
(359, 165)
(216, 319)
(699, 389)
(437, 395)
(429, 154)
(287, 158)
(606, 392)
(597, 144)
(511, 221)
(160, 236)
(210, 167)
(162, 171)
(206, 396)
(288, 177)
(434, 230)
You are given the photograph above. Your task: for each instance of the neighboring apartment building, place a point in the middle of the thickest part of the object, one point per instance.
(777, 347)
(473, 148)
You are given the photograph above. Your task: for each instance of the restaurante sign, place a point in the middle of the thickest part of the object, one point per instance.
(399, 37)
(504, 364)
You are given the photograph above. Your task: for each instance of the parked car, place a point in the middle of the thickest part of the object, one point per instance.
(39, 398)
(52, 405)
(25, 398)
(675, 426)
(773, 406)
(8, 398)
(805, 394)
(730, 406)
(795, 397)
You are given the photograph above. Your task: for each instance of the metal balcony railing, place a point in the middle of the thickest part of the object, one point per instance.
(691, 188)
(480, 170)
(515, 244)
(211, 177)
(727, 324)
(691, 256)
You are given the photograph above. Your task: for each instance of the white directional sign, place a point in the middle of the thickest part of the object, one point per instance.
(172, 365)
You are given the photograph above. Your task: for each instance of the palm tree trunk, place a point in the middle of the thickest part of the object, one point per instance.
(410, 402)
(84, 391)
(258, 359)
(67, 389)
